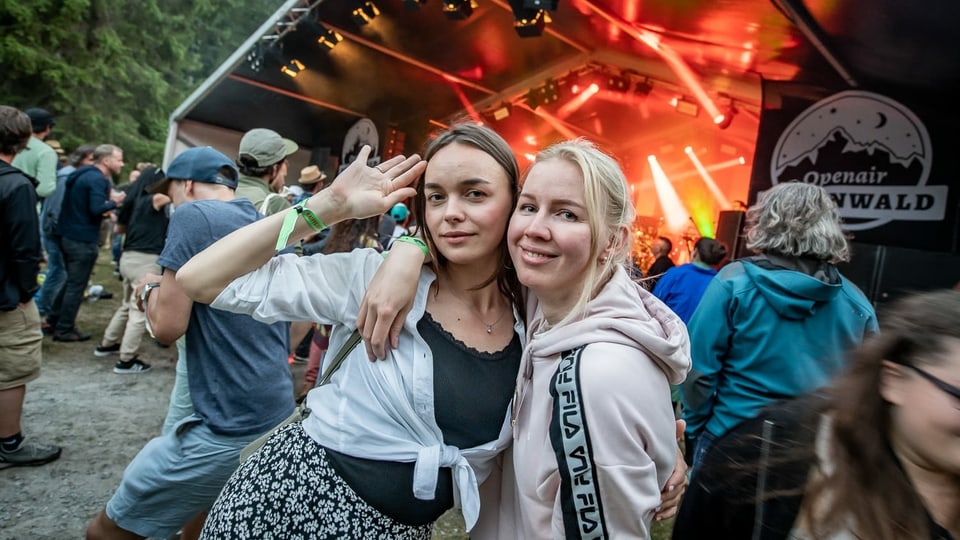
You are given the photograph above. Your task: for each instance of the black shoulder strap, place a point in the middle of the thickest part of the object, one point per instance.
(579, 492)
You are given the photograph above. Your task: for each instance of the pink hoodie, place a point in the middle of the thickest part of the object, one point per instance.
(617, 463)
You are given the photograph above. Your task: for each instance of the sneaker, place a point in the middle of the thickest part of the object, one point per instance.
(106, 350)
(71, 336)
(132, 366)
(29, 454)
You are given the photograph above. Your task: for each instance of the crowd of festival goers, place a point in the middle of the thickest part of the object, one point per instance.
(478, 337)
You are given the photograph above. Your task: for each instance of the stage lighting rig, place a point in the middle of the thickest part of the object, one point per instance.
(329, 38)
(541, 4)
(531, 23)
(643, 88)
(292, 68)
(413, 5)
(365, 12)
(726, 118)
(458, 10)
(618, 83)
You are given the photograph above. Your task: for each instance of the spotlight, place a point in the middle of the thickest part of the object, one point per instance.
(546, 94)
(292, 68)
(618, 83)
(643, 88)
(329, 38)
(533, 98)
(365, 12)
(413, 5)
(541, 4)
(530, 22)
(458, 10)
(503, 112)
(550, 91)
(724, 119)
(255, 58)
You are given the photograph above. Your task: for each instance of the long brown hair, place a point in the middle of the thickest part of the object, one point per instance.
(351, 234)
(867, 483)
(488, 141)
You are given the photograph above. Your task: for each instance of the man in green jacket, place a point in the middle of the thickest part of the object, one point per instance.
(263, 169)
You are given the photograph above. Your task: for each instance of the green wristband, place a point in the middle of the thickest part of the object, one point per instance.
(290, 221)
(415, 241)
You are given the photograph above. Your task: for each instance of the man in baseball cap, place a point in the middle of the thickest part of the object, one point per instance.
(201, 164)
(263, 169)
(176, 476)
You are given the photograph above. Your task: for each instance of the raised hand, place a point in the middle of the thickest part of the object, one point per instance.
(362, 191)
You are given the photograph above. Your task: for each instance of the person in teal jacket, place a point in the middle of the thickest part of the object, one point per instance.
(777, 324)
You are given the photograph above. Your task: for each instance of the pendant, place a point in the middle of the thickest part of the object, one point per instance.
(489, 329)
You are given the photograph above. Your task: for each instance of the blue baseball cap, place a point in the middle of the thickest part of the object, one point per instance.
(200, 164)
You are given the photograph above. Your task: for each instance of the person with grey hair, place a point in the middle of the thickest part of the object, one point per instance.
(56, 269)
(87, 196)
(774, 325)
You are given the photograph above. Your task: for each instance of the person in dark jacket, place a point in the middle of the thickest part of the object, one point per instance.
(874, 455)
(661, 249)
(20, 336)
(87, 198)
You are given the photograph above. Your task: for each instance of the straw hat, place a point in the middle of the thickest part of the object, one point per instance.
(311, 175)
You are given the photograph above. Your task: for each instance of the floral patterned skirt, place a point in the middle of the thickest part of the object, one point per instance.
(289, 490)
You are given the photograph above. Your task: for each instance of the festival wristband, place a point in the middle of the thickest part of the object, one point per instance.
(417, 242)
(290, 220)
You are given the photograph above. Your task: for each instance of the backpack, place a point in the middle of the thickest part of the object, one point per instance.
(50, 212)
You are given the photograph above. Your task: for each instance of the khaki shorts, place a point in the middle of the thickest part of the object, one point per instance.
(20, 342)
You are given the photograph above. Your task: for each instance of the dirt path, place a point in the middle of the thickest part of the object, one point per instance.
(100, 419)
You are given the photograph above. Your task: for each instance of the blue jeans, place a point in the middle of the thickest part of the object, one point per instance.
(115, 247)
(80, 257)
(56, 275)
(702, 445)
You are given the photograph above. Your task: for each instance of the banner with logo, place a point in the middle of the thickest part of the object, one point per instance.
(888, 162)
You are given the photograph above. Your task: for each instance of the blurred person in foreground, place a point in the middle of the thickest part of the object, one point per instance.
(775, 325)
(20, 336)
(876, 455)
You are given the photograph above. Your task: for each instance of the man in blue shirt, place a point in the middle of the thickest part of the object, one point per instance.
(87, 198)
(239, 380)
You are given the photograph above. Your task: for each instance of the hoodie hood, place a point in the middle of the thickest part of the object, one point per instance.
(615, 317)
(794, 288)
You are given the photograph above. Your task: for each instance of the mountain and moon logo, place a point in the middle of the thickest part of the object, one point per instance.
(870, 152)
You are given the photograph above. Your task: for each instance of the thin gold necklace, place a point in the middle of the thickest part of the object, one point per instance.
(477, 315)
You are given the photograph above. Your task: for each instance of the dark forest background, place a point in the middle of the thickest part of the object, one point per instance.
(112, 71)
